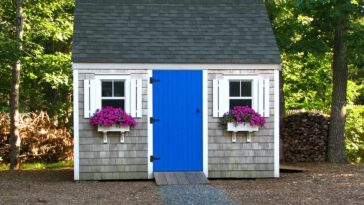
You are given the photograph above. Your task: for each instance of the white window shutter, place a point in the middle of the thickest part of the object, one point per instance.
(266, 98)
(255, 85)
(223, 97)
(215, 98)
(86, 98)
(139, 97)
(133, 93)
(128, 102)
(93, 96)
(136, 97)
(261, 97)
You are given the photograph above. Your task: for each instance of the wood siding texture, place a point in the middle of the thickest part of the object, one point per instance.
(114, 160)
(240, 159)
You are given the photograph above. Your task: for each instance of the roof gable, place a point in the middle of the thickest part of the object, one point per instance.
(167, 31)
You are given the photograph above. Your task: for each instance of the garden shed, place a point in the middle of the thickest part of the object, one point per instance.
(176, 67)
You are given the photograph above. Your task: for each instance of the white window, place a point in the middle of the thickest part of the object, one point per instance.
(232, 91)
(240, 93)
(113, 93)
(118, 91)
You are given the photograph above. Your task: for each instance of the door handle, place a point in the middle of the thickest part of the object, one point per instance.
(198, 110)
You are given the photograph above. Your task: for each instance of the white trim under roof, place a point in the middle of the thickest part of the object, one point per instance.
(159, 66)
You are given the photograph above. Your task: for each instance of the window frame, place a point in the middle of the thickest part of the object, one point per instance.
(100, 78)
(112, 90)
(246, 78)
(241, 97)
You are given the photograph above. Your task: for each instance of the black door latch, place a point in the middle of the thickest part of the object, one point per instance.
(153, 80)
(152, 120)
(152, 158)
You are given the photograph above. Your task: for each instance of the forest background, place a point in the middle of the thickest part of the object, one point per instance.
(304, 32)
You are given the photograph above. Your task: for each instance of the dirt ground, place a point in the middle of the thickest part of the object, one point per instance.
(56, 187)
(322, 184)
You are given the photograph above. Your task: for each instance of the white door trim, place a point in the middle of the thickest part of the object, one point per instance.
(205, 117)
(204, 123)
(150, 126)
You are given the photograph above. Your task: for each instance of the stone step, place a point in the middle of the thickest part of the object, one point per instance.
(180, 178)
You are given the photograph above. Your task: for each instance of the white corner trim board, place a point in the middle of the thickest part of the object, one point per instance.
(205, 118)
(159, 66)
(276, 123)
(150, 126)
(76, 165)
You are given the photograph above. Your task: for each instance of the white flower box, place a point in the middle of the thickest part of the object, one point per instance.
(113, 128)
(233, 127)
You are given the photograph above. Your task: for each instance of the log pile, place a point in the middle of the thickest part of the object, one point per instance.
(41, 139)
(304, 137)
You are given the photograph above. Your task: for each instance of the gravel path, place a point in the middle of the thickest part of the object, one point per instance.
(194, 194)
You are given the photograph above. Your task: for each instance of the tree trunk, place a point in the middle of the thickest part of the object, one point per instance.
(14, 97)
(336, 146)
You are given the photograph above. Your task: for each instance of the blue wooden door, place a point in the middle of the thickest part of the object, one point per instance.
(177, 136)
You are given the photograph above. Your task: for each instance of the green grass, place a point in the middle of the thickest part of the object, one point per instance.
(4, 167)
(59, 165)
(28, 166)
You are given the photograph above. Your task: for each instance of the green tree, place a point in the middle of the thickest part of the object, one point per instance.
(36, 36)
(313, 36)
(14, 96)
(46, 56)
(331, 21)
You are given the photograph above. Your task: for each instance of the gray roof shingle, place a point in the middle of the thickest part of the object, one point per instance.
(168, 31)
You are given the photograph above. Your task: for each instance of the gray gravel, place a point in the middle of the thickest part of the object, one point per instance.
(194, 194)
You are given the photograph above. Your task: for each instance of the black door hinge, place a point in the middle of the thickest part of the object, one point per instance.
(152, 158)
(153, 80)
(152, 120)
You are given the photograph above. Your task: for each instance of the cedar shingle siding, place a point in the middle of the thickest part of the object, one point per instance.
(113, 160)
(240, 159)
(130, 160)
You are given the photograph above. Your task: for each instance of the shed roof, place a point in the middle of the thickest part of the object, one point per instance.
(173, 31)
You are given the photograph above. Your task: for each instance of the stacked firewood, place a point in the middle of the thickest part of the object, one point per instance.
(41, 139)
(304, 137)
